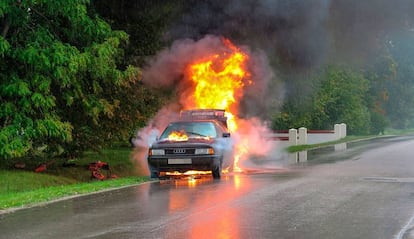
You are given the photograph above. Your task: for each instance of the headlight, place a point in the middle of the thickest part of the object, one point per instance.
(156, 152)
(204, 151)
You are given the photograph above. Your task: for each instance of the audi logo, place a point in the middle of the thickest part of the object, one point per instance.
(179, 151)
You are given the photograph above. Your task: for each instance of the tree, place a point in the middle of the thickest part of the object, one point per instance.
(146, 22)
(62, 78)
(338, 97)
(400, 82)
(380, 76)
(294, 114)
(341, 99)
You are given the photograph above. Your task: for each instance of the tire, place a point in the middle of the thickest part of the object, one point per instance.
(216, 171)
(155, 174)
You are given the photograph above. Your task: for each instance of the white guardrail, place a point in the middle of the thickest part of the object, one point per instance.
(303, 135)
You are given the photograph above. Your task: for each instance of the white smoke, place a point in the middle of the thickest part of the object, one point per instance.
(146, 136)
(252, 139)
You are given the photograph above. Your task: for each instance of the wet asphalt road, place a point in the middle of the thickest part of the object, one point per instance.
(365, 190)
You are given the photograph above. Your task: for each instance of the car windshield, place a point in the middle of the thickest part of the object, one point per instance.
(190, 129)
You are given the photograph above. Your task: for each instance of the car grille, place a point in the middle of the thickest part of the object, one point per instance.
(180, 151)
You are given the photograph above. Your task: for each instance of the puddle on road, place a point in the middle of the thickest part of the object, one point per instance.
(325, 154)
(337, 152)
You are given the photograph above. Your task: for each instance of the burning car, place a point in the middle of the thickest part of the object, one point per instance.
(199, 141)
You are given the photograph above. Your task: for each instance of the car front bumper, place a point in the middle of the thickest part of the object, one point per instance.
(183, 164)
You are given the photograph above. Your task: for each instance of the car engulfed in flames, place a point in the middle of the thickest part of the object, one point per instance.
(199, 141)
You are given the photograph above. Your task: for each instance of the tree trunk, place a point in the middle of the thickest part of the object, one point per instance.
(6, 26)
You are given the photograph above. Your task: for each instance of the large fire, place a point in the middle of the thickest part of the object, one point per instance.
(219, 80)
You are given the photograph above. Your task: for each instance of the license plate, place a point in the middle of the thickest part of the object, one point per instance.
(180, 161)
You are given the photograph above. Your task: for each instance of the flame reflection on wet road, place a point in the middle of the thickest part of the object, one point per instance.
(200, 201)
(205, 208)
(203, 217)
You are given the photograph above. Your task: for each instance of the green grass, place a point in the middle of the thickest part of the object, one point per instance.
(21, 198)
(24, 187)
(19, 181)
(398, 131)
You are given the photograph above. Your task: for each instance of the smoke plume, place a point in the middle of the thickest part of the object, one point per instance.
(166, 70)
(298, 37)
(300, 34)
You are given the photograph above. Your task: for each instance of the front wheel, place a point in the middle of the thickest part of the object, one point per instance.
(154, 172)
(216, 171)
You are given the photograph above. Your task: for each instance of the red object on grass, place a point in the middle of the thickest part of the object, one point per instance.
(96, 170)
(41, 168)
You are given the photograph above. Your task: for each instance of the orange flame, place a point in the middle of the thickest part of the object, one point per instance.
(219, 80)
(178, 136)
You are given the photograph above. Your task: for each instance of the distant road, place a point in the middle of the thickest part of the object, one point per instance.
(365, 190)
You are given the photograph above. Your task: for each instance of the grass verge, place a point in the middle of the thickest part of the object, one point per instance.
(46, 194)
(24, 187)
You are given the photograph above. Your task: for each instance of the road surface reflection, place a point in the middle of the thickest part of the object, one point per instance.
(202, 214)
(199, 207)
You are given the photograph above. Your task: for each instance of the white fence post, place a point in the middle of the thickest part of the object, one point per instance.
(343, 130)
(293, 137)
(303, 136)
(337, 130)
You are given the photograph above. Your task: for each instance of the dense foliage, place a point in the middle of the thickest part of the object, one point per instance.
(339, 97)
(368, 99)
(62, 77)
(145, 21)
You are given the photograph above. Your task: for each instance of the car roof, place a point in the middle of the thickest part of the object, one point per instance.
(216, 122)
(205, 114)
(195, 121)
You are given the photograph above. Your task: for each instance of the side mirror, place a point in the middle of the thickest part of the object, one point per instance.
(226, 135)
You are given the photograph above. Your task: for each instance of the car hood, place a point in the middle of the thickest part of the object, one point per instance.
(191, 142)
